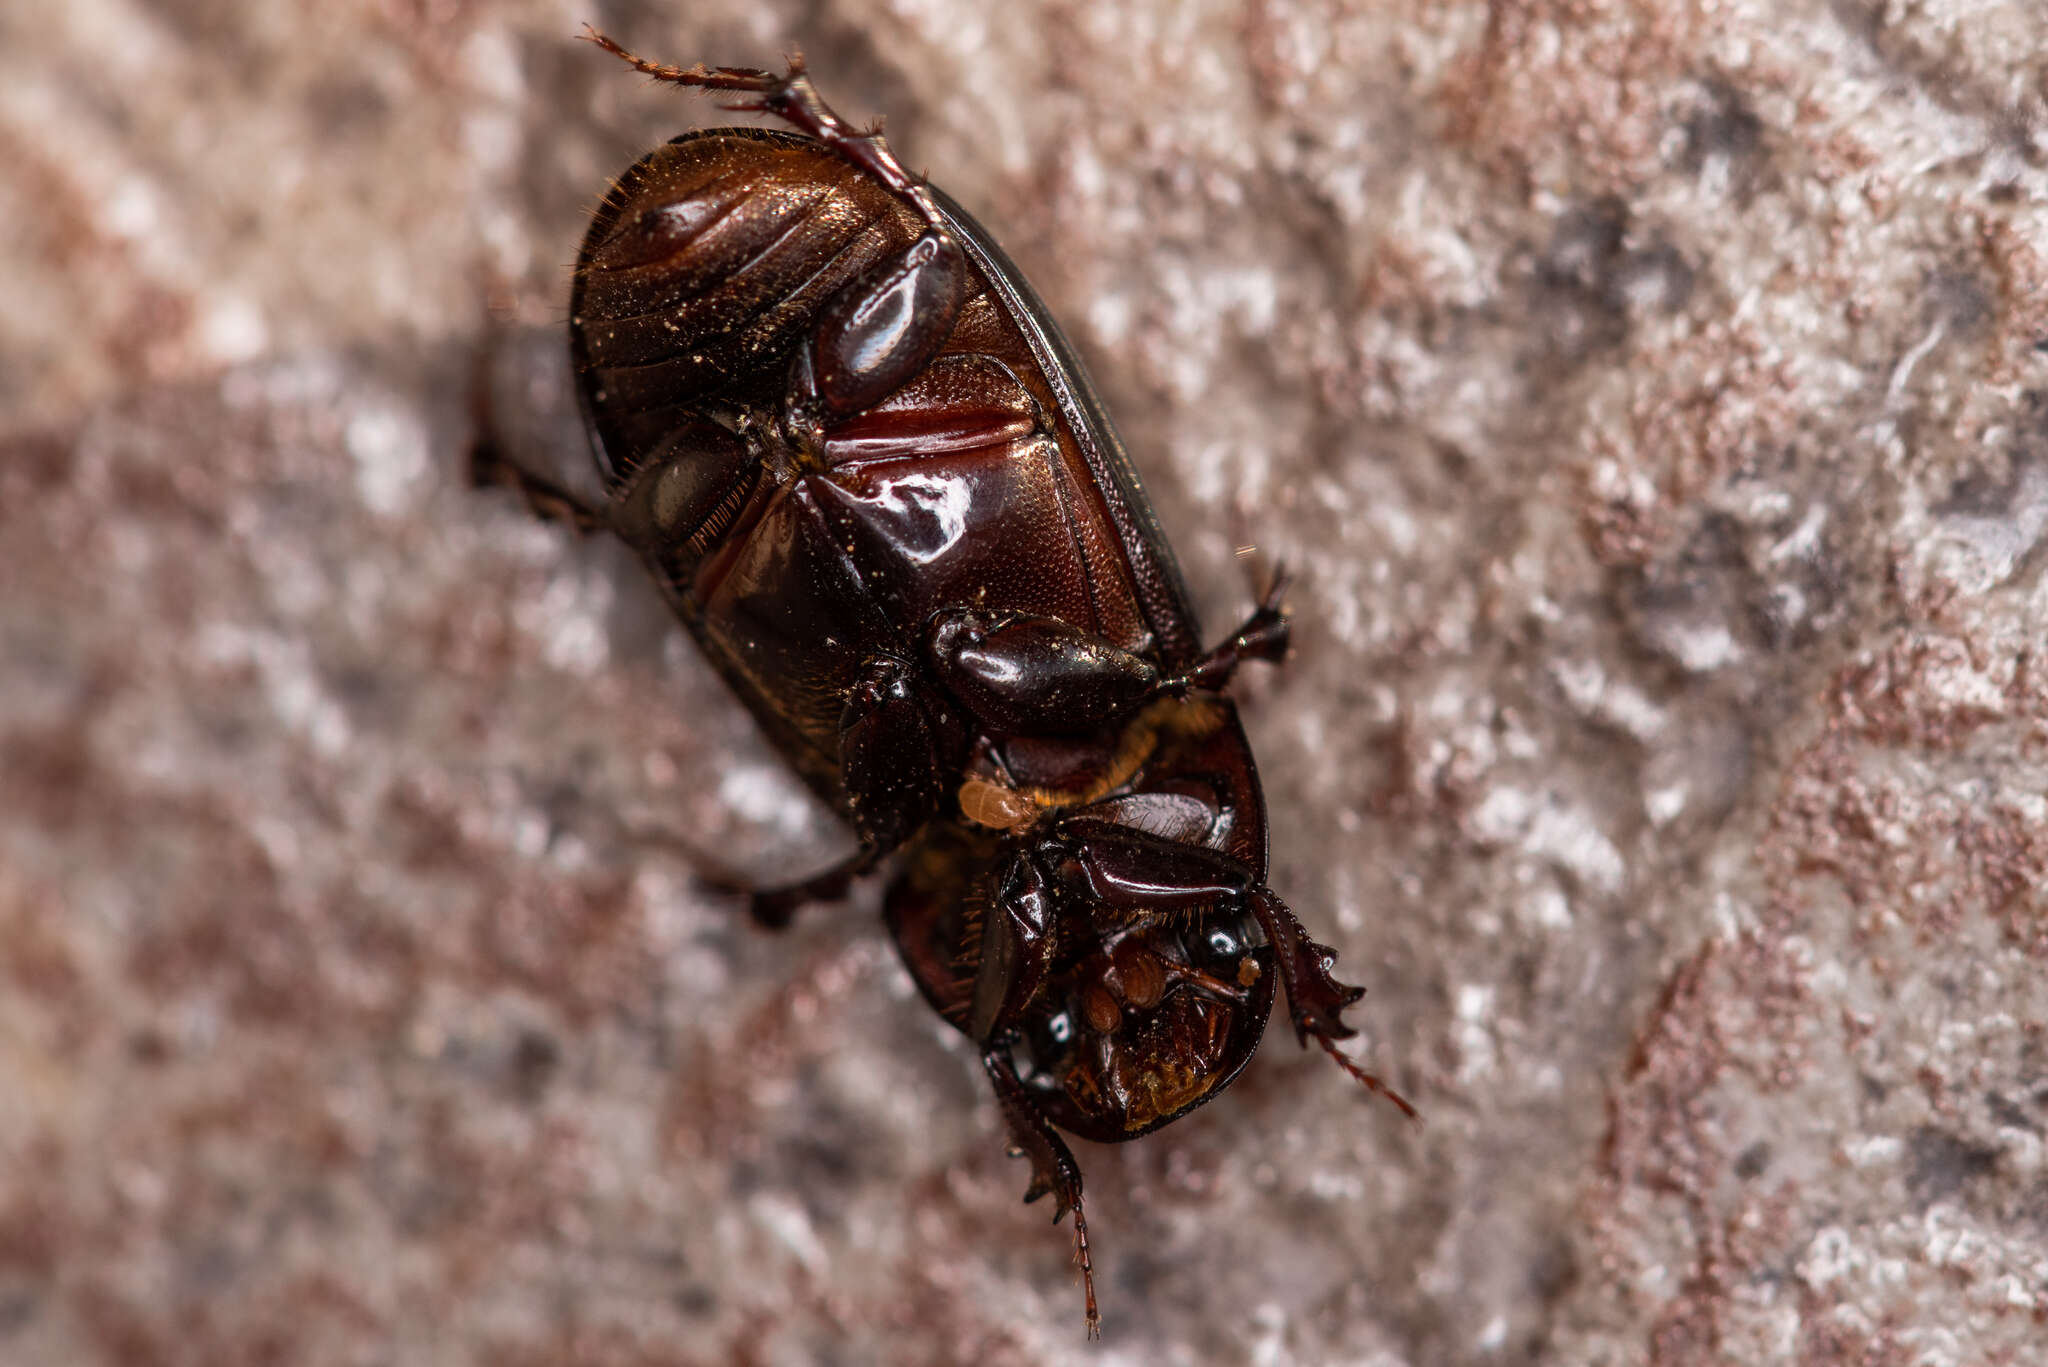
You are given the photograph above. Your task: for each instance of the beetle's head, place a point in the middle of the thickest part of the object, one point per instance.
(1139, 1019)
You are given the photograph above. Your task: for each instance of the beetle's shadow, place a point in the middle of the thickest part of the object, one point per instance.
(523, 403)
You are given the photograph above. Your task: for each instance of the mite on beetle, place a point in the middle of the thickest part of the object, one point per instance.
(873, 480)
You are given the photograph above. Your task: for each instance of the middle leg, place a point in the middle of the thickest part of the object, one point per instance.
(891, 739)
(1026, 675)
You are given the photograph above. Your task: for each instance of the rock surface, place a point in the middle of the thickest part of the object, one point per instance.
(1651, 394)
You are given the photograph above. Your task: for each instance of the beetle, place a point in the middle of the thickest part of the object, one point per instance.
(874, 482)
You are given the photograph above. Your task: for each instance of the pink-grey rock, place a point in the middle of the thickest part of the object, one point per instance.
(1652, 396)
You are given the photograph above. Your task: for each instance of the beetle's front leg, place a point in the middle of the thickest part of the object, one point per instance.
(1316, 999)
(891, 743)
(1137, 872)
(1053, 1168)
(1019, 937)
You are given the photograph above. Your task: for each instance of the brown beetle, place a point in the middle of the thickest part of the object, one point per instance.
(874, 482)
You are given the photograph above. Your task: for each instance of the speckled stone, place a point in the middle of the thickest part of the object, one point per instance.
(1652, 396)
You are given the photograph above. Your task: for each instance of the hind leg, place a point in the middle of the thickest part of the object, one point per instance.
(882, 330)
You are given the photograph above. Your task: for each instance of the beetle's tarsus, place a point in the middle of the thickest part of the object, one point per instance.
(1371, 1082)
(699, 76)
(1053, 1169)
(1087, 1269)
(792, 98)
(1082, 1261)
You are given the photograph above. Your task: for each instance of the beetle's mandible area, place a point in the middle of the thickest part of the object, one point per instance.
(1644, 400)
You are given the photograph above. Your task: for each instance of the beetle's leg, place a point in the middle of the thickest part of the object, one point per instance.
(682, 494)
(792, 98)
(875, 335)
(695, 478)
(775, 907)
(1053, 1168)
(548, 501)
(1135, 871)
(1263, 636)
(889, 753)
(490, 468)
(1019, 935)
(1024, 675)
(1316, 999)
(889, 750)
(884, 328)
(772, 908)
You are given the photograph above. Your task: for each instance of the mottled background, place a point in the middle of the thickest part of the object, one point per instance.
(1653, 395)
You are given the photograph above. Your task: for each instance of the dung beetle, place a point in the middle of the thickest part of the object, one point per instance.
(873, 480)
